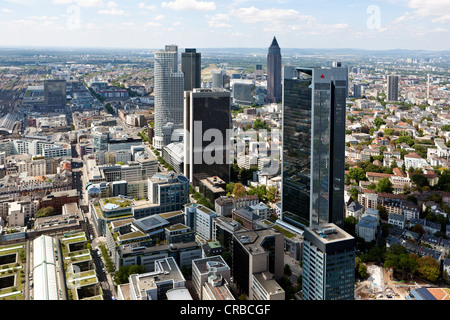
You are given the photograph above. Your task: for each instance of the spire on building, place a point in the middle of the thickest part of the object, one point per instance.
(274, 42)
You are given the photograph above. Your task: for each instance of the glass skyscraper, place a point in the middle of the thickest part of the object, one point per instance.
(328, 263)
(191, 63)
(169, 88)
(206, 110)
(274, 72)
(313, 158)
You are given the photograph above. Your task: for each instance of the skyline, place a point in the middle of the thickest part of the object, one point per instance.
(368, 25)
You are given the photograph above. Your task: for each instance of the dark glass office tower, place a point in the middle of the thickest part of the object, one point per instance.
(313, 157)
(191, 65)
(274, 93)
(55, 92)
(207, 118)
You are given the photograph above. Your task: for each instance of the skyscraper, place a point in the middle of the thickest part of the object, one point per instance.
(206, 109)
(313, 158)
(328, 262)
(55, 92)
(392, 88)
(191, 65)
(274, 72)
(169, 87)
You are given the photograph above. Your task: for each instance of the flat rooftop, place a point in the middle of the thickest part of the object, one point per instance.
(328, 233)
(252, 240)
(214, 261)
(165, 269)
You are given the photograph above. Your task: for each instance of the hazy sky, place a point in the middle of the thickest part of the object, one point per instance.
(376, 24)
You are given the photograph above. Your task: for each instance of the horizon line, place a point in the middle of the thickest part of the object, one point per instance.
(208, 48)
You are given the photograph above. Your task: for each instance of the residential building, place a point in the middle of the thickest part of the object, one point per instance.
(397, 220)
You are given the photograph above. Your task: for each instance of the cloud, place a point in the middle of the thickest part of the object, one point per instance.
(218, 21)
(6, 10)
(23, 2)
(152, 24)
(190, 5)
(112, 10)
(436, 10)
(142, 5)
(276, 20)
(81, 3)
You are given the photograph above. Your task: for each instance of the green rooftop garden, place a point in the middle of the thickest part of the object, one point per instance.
(12, 274)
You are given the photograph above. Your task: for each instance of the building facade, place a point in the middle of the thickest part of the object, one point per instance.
(169, 87)
(313, 158)
(207, 121)
(191, 66)
(274, 93)
(328, 263)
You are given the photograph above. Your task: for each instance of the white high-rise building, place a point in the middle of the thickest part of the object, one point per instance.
(169, 88)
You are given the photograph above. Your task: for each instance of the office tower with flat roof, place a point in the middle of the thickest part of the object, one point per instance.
(210, 278)
(357, 90)
(218, 79)
(55, 92)
(274, 93)
(313, 158)
(328, 261)
(257, 263)
(169, 87)
(392, 88)
(207, 120)
(191, 66)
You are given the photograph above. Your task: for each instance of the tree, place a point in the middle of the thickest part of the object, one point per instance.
(384, 185)
(356, 174)
(382, 211)
(412, 199)
(428, 268)
(378, 122)
(420, 180)
(45, 212)
(418, 228)
(271, 193)
(349, 225)
(287, 270)
(372, 186)
(121, 276)
(354, 194)
(260, 191)
(239, 190)
(444, 182)
(361, 270)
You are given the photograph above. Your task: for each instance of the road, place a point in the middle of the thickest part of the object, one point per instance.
(295, 268)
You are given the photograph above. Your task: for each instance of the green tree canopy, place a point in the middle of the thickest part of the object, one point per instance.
(121, 276)
(356, 174)
(45, 212)
(384, 185)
